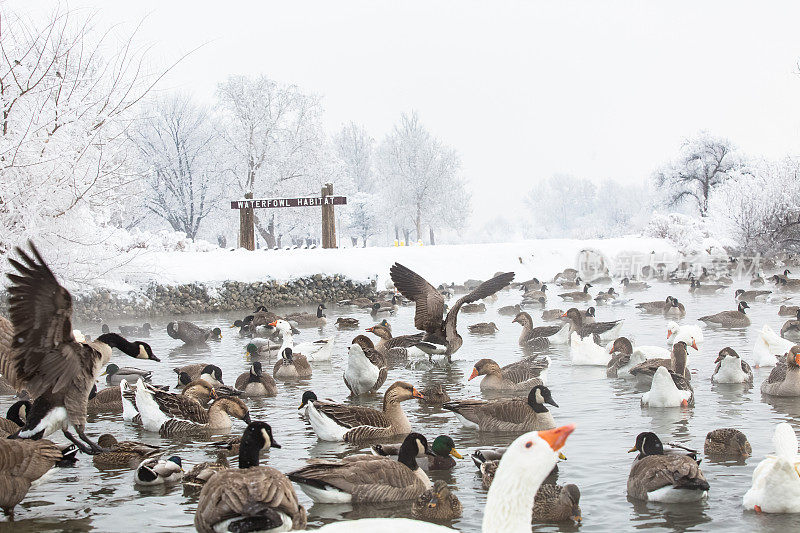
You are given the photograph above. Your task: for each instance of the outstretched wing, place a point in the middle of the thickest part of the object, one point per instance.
(484, 290)
(429, 303)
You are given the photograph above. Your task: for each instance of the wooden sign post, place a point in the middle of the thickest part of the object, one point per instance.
(326, 200)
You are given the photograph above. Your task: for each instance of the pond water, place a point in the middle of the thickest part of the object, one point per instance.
(607, 413)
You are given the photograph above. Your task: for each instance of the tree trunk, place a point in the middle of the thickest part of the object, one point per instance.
(354, 241)
(418, 222)
(406, 234)
(433, 239)
(268, 233)
(247, 237)
(396, 233)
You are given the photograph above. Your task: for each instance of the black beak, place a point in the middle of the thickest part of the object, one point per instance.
(273, 444)
(551, 402)
(246, 418)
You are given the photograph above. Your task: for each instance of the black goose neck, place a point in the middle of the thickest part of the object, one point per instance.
(408, 454)
(249, 448)
(114, 340)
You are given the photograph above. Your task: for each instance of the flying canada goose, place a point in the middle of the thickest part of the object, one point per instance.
(337, 422)
(516, 414)
(22, 462)
(554, 334)
(434, 395)
(483, 328)
(784, 380)
(191, 333)
(291, 366)
(442, 451)
(727, 443)
(742, 295)
(441, 335)
(776, 482)
(395, 348)
(211, 374)
(791, 328)
(346, 323)
(114, 374)
(366, 367)
(437, 504)
(578, 296)
(127, 453)
(45, 357)
(731, 368)
(729, 319)
(367, 478)
(659, 477)
(196, 478)
(309, 320)
(136, 331)
(580, 324)
(255, 383)
(516, 377)
(158, 471)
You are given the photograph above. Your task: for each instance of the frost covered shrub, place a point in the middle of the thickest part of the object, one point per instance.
(688, 234)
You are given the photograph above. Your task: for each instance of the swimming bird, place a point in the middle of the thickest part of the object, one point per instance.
(769, 347)
(315, 351)
(483, 328)
(442, 451)
(791, 328)
(437, 504)
(200, 473)
(127, 453)
(729, 319)
(784, 380)
(674, 308)
(585, 327)
(114, 374)
(697, 288)
(788, 310)
(23, 462)
(623, 358)
(395, 348)
(346, 323)
(15, 418)
(742, 295)
(291, 366)
(655, 307)
(191, 333)
(776, 480)
(691, 334)
(633, 285)
(309, 320)
(731, 368)
(515, 415)
(366, 367)
(579, 296)
(585, 352)
(158, 471)
(515, 377)
(605, 297)
(434, 395)
(211, 374)
(255, 383)
(553, 334)
(727, 443)
(677, 359)
(136, 331)
(668, 389)
(509, 310)
(659, 477)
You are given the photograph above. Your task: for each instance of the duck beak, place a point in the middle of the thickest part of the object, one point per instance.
(562, 456)
(231, 327)
(797, 359)
(557, 437)
(564, 315)
(474, 374)
(434, 501)
(455, 453)
(415, 393)
(104, 373)
(301, 406)
(576, 515)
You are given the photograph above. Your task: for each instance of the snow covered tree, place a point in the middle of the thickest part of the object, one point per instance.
(179, 159)
(559, 205)
(363, 216)
(704, 163)
(356, 149)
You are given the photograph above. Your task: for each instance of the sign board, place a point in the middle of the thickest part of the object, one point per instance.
(308, 201)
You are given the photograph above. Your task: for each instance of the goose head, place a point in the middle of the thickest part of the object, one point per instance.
(364, 342)
(726, 352)
(287, 358)
(320, 309)
(793, 356)
(92, 394)
(484, 367)
(743, 306)
(538, 396)
(380, 331)
(282, 326)
(647, 443)
(622, 345)
(308, 396)
(737, 293)
(234, 407)
(413, 445)
(571, 496)
(255, 369)
(18, 412)
(257, 436)
(400, 391)
(524, 319)
(590, 311)
(574, 315)
(184, 379)
(212, 374)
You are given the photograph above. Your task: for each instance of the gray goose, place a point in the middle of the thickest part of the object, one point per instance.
(441, 335)
(656, 476)
(676, 363)
(255, 383)
(579, 296)
(515, 415)
(393, 348)
(21, 463)
(46, 359)
(791, 328)
(784, 380)
(742, 295)
(729, 319)
(529, 333)
(727, 443)
(516, 377)
(191, 333)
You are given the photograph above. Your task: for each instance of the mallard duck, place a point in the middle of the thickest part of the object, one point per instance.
(441, 335)
(729, 319)
(309, 320)
(515, 377)
(659, 477)
(784, 380)
(434, 395)
(437, 504)
(552, 314)
(115, 374)
(395, 348)
(731, 368)
(578, 296)
(255, 383)
(788, 310)
(585, 326)
(554, 334)
(776, 480)
(367, 478)
(507, 415)
(443, 449)
(127, 453)
(483, 328)
(791, 328)
(319, 350)
(509, 310)
(727, 443)
(211, 374)
(479, 307)
(366, 367)
(105, 400)
(195, 478)
(263, 348)
(23, 462)
(557, 503)
(337, 422)
(158, 471)
(57, 370)
(346, 323)
(377, 309)
(136, 331)
(742, 295)
(191, 333)
(291, 366)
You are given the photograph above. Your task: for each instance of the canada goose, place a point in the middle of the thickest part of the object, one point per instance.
(509, 310)
(674, 308)
(47, 360)
(571, 284)
(784, 284)
(105, 400)
(195, 478)
(291, 366)
(655, 307)
(788, 310)
(15, 418)
(568, 274)
(395, 348)
(731, 368)
(742, 295)
(442, 451)
(791, 328)
(534, 296)
(211, 374)
(319, 350)
(366, 367)
(727, 443)
(255, 383)
(776, 482)
(659, 477)
(554, 334)
(507, 415)
(516, 377)
(784, 380)
(623, 358)
(136, 331)
(437, 504)
(158, 471)
(634, 286)
(346, 323)
(580, 325)
(21, 463)
(729, 319)
(191, 333)
(434, 395)
(337, 422)
(483, 328)
(127, 453)
(441, 335)
(604, 297)
(366, 477)
(757, 281)
(115, 374)
(697, 288)
(677, 359)
(579, 296)
(309, 320)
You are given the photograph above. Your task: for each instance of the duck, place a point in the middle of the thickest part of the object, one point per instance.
(483, 328)
(689, 333)
(255, 383)
(784, 380)
(669, 388)
(479, 307)
(509, 310)
(623, 358)
(791, 328)
(515, 377)
(395, 348)
(136, 331)
(261, 347)
(346, 323)
(697, 288)
(443, 450)
(727, 443)
(608, 296)
(646, 370)
(315, 351)
(437, 504)
(22, 463)
(553, 334)
(115, 374)
(105, 400)
(776, 480)
(200, 473)
(757, 280)
(129, 454)
(191, 333)
(158, 471)
(434, 395)
(584, 352)
(579, 296)
(517, 415)
(308, 320)
(441, 334)
(731, 368)
(742, 295)
(788, 310)
(585, 325)
(47, 360)
(634, 286)
(667, 478)
(729, 319)
(557, 503)
(250, 497)
(363, 478)
(768, 347)
(674, 308)
(377, 309)
(211, 374)
(291, 366)
(552, 314)
(366, 367)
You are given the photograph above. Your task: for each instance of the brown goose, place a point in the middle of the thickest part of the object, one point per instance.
(579, 296)
(727, 443)
(729, 319)
(579, 323)
(21, 463)
(255, 383)
(791, 328)
(291, 366)
(556, 334)
(441, 335)
(675, 363)
(366, 367)
(516, 415)
(520, 376)
(123, 454)
(669, 478)
(250, 497)
(742, 295)
(46, 359)
(437, 504)
(394, 348)
(784, 380)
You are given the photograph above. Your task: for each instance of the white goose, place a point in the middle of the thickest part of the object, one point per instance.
(686, 332)
(509, 504)
(585, 352)
(315, 351)
(664, 393)
(768, 347)
(776, 479)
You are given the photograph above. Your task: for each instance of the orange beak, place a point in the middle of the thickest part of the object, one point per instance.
(565, 314)
(557, 437)
(684, 403)
(415, 393)
(368, 329)
(611, 350)
(474, 373)
(797, 359)
(669, 333)
(694, 344)
(273, 324)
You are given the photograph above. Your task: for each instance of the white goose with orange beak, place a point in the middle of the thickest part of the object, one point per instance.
(314, 351)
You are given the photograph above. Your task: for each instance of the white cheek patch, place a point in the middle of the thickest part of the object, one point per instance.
(538, 396)
(421, 448)
(267, 440)
(142, 352)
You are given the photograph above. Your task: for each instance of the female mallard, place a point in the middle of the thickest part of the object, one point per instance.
(727, 443)
(659, 477)
(515, 415)
(195, 478)
(520, 376)
(443, 448)
(191, 333)
(255, 383)
(434, 395)
(346, 323)
(158, 471)
(437, 504)
(483, 328)
(557, 503)
(127, 453)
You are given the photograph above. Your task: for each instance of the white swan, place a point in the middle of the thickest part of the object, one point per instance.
(586, 353)
(664, 393)
(314, 351)
(509, 504)
(776, 479)
(768, 346)
(686, 332)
